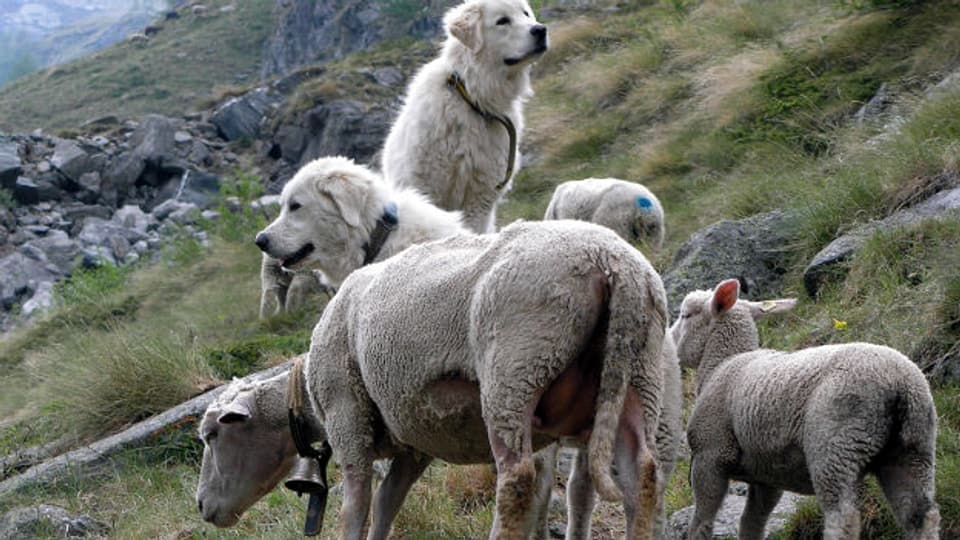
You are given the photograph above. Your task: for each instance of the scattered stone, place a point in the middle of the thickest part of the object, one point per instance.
(10, 164)
(21, 278)
(27, 523)
(59, 249)
(727, 522)
(185, 214)
(153, 140)
(25, 191)
(41, 301)
(345, 128)
(182, 137)
(240, 117)
(132, 217)
(90, 181)
(71, 160)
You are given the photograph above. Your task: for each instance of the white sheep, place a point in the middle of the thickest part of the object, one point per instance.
(580, 493)
(472, 349)
(814, 421)
(628, 208)
(497, 343)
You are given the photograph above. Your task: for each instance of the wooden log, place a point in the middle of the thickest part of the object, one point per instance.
(89, 458)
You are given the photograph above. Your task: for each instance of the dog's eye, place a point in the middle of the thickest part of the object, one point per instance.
(525, 14)
(503, 20)
(294, 206)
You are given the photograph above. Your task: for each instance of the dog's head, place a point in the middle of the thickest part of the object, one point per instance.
(327, 211)
(501, 31)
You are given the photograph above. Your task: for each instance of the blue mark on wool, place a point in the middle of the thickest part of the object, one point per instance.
(644, 203)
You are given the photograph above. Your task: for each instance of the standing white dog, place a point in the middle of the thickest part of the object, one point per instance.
(456, 138)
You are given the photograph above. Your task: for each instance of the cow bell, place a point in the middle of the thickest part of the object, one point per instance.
(306, 477)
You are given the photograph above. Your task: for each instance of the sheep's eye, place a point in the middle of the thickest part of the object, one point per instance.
(503, 20)
(294, 206)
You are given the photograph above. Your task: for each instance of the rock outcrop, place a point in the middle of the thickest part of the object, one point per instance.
(309, 31)
(751, 250)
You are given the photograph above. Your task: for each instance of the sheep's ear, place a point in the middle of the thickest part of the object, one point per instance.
(234, 412)
(725, 296)
(760, 310)
(464, 24)
(348, 197)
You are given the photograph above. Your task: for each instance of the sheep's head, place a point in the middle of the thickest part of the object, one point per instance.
(719, 318)
(248, 449)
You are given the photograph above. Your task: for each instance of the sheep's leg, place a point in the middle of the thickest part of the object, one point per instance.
(709, 488)
(580, 499)
(636, 469)
(350, 437)
(908, 485)
(545, 461)
(516, 484)
(761, 500)
(405, 469)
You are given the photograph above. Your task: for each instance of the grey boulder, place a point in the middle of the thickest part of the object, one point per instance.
(10, 164)
(751, 250)
(22, 275)
(826, 264)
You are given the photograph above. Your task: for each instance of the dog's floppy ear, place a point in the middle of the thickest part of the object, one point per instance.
(347, 195)
(464, 23)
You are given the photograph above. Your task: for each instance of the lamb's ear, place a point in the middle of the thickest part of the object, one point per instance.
(464, 24)
(771, 307)
(348, 197)
(725, 296)
(234, 412)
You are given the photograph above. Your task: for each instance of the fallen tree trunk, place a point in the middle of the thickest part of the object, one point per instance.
(88, 458)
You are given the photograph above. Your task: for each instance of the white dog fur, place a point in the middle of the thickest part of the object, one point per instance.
(439, 144)
(333, 205)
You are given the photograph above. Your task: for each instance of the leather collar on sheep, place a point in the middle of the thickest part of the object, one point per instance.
(455, 82)
(385, 225)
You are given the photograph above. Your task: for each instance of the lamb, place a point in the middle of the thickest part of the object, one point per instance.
(466, 349)
(813, 421)
(629, 209)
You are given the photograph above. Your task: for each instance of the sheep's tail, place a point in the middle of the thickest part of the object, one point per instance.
(637, 301)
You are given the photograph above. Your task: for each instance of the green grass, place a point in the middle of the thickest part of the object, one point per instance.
(191, 59)
(724, 109)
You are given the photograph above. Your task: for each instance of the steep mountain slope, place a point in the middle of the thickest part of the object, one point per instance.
(835, 113)
(36, 34)
(190, 59)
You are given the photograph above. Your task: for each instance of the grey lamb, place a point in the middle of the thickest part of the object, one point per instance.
(814, 421)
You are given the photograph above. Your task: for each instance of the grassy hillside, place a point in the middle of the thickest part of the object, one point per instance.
(191, 59)
(724, 109)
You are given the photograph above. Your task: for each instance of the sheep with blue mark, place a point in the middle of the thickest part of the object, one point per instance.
(628, 208)
(813, 421)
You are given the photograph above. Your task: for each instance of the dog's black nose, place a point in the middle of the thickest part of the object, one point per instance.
(539, 31)
(262, 241)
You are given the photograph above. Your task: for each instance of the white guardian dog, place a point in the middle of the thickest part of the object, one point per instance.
(456, 138)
